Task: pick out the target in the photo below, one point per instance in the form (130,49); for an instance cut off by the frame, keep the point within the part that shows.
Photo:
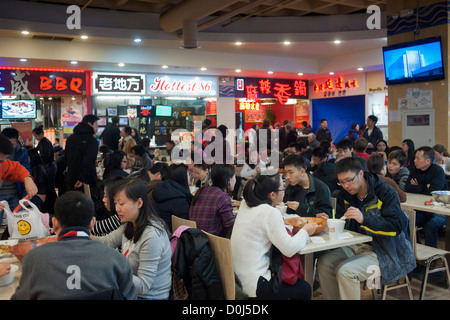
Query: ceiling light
(337,41)
(300,74)
(270,72)
(137,40)
(286,43)
(73,62)
(331,73)
(164,67)
(25,32)
(23,60)
(84,37)
(360,69)
(203,68)
(238,43)
(121,64)
(238,70)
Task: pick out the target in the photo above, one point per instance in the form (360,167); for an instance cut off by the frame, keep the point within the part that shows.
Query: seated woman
(172,195)
(258,226)
(376,165)
(253,165)
(201,174)
(116,165)
(144,240)
(107,219)
(211,207)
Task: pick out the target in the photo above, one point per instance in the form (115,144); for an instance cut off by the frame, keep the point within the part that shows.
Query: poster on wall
(25,132)
(71,111)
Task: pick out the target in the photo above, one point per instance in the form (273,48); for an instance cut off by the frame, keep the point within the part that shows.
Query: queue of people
(131,207)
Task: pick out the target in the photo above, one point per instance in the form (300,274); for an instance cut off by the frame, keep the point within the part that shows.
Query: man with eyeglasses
(370,206)
(305,195)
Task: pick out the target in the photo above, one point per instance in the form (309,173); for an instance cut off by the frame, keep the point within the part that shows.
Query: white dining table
(6,292)
(307,253)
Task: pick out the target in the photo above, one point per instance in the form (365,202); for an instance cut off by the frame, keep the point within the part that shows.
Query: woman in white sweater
(258,226)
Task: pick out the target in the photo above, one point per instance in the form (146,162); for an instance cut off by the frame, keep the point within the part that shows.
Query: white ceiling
(111,31)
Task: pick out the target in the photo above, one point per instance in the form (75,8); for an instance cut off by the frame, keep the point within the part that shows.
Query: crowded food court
(228,162)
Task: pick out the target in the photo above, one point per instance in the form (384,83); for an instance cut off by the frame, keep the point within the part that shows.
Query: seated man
(324,169)
(425,177)
(370,206)
(74,264)
(305,195)
(344,149)
(296,148)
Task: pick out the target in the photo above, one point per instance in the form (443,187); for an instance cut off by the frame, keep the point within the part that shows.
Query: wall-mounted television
(163,111)
(419,60)
(19,109)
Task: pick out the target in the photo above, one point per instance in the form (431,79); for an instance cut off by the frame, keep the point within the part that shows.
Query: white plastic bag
(26,224)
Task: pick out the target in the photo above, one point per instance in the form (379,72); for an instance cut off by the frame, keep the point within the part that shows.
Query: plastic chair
(426,254)
(221,248)
(178,222)
(392,286)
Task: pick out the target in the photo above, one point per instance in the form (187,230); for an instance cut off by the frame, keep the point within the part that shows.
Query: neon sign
(249,105)
(338,83)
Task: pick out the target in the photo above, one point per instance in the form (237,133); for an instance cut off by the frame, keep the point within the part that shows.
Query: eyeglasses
(343,183)
(280,190)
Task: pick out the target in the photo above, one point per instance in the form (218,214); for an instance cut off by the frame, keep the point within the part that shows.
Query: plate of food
(300,222)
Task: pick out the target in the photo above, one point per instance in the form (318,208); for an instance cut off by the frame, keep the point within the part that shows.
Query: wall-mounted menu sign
(182,86)
(118,83)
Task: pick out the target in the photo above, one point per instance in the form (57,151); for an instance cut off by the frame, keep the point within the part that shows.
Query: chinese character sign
(112,83)
(281,89)
(352,84)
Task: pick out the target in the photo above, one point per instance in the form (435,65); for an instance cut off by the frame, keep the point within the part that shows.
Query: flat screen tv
(414,61)
(19,109)
(163,111)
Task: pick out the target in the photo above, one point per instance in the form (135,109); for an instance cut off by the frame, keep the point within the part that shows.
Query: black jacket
(373,138)
(323,134)
(111,136)
(386,223)
(316,200)
(170,198)
(434,176)
(194,262)
(325,173)
(81,154)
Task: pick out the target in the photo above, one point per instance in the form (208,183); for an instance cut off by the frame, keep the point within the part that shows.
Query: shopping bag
(25,224)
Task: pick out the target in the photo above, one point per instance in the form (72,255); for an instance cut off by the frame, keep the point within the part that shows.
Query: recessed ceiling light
(360,69)
(50,98)
(270,72)
(164,67)
(137,40)
(23,60)
(121,64)
(337,41)
(238,70)
(73,62)
(203,68)
(331,73)
(286,43)
(238,43)
(300,74)
(25,32)
(84,37)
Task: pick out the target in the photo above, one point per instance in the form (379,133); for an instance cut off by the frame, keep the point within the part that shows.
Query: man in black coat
(372,134)
(111,134)
(425,177)
(81,154)
(323,133)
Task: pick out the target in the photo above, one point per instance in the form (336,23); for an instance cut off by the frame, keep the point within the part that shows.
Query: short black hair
(345,144)
(294,145)
(348,164)
(74,209)
(11,133)
(322,120)
(90,118)
(375,163)
(161,168)
(115,120)
(373,118)
(6,146)
(398,155)
(294,160)
(428,152)
(319,152)
(138,150)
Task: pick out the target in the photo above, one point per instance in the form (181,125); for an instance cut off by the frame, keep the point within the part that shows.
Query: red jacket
(13,171)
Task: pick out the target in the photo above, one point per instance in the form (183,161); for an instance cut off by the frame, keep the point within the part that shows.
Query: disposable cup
(282,208)
(335,228)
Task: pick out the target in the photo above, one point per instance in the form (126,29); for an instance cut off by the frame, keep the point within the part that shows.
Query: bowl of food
(22,248)
(7,279)
(299,222)
(441,196)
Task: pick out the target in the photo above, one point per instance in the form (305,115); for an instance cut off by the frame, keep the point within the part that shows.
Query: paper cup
(282,208)
(335,228)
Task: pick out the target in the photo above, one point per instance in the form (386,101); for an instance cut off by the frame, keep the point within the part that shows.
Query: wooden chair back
(178,222)
(221,248)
